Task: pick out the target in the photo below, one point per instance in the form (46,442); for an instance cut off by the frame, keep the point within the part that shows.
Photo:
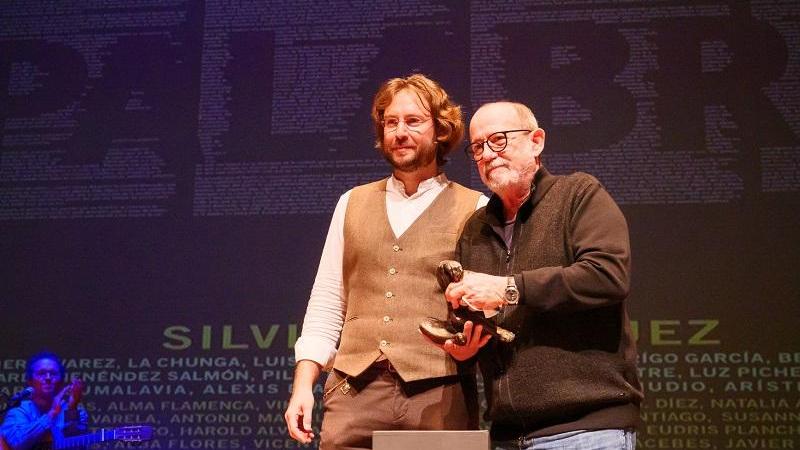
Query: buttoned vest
(390,282)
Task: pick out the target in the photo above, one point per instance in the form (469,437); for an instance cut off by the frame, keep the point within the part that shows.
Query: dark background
(168,170)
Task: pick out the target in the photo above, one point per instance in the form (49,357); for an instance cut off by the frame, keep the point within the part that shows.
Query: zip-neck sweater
(572,365)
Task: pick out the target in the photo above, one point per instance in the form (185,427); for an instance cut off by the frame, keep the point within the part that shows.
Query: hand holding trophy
(439,331)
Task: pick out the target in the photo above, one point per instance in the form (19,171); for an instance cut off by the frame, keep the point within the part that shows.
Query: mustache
(494,166)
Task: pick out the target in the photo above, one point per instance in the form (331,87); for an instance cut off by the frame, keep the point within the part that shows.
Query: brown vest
(390,283)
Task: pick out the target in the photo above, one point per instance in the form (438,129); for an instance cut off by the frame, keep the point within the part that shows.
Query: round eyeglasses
(413,123)
(496,141)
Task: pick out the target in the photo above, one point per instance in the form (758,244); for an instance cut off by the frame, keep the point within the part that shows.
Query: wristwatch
(512,293)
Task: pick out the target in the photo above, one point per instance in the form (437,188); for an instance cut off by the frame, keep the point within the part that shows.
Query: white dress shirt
(322,325)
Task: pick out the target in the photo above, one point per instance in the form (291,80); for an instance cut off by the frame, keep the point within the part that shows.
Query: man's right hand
(55,407)
(299,413)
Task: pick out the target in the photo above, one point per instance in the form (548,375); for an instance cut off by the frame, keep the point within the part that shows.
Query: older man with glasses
(551,253)
(376,282)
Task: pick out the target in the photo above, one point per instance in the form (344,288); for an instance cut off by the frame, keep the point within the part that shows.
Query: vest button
(389,294)
(386,319)
(396,247)
(392,271)
(384,343)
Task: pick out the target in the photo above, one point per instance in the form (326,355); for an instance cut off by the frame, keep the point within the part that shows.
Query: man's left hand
(479,290)
(75,393)
(475,340)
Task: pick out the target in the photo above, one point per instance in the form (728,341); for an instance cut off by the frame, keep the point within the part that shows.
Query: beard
(423,156)
(502,178)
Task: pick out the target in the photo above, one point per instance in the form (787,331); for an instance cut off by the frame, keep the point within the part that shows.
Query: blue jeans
(574,440)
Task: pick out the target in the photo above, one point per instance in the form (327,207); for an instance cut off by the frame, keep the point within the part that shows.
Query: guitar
(133,433)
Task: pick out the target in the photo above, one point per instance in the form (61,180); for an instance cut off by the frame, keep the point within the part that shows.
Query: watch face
(512,295)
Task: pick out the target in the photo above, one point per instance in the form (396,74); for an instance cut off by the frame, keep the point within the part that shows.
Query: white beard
(503,178)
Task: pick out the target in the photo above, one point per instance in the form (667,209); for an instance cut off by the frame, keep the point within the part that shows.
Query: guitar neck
(83,440)
(130,433)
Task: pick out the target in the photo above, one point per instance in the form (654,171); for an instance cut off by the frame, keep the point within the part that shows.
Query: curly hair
(448,121)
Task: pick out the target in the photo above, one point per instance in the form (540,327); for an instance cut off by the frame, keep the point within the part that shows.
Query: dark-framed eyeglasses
(496,141)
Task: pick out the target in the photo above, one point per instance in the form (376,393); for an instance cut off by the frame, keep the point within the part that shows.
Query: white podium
(430,440)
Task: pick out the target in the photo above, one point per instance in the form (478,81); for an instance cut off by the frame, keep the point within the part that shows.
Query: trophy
(440,331)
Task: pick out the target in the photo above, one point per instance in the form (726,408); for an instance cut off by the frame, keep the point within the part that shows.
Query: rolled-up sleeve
(322,325)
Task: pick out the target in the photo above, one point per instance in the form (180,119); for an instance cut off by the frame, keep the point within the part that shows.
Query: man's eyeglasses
(413,123)
(496,141)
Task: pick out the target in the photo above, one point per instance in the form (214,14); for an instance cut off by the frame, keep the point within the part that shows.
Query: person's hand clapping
(76,392)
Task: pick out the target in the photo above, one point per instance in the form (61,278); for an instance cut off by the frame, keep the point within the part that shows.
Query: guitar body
(133,433)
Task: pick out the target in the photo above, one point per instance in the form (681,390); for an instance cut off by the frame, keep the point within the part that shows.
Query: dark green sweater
(572,365)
